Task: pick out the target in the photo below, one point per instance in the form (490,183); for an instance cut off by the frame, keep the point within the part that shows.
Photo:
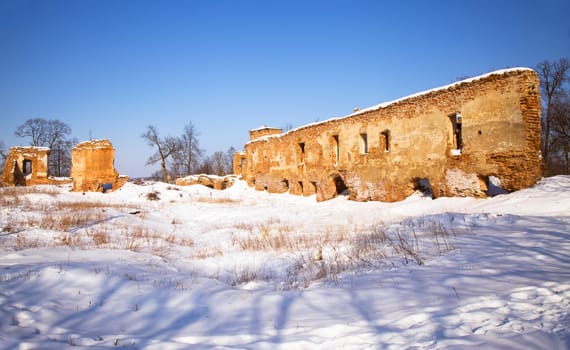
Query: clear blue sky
(109,68)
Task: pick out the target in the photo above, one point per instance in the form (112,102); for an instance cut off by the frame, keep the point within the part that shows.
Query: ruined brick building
(92,167)
(451,140)
(26,166)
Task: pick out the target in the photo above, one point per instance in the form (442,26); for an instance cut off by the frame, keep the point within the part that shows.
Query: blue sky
(109,68)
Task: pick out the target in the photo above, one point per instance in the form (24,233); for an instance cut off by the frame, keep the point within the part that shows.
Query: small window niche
(301,150)
(336,148)
(363,143)
(284,185)
(300,187)
(385,140)
(314,186)
(456,120)
(27,167)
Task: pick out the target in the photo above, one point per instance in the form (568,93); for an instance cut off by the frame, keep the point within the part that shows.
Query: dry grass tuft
(215,200)
(153,196)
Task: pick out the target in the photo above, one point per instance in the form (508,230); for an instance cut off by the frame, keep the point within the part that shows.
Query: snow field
(166,267)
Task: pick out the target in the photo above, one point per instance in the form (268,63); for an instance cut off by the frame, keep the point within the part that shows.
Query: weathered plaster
(409,140)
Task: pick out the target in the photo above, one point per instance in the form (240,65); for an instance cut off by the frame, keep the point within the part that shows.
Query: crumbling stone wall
(26,166)
(92,167)
(263,131)
(239,162)
(449,140)
(213,181)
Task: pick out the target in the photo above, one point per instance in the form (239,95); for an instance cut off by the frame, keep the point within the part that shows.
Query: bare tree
(230,160)
(60,146)
(187,156)
(60,157)
(552,75)
(56,132)
(35,128)
(561,135)
(54,135)
(219,163)
(165,148)
(2,154)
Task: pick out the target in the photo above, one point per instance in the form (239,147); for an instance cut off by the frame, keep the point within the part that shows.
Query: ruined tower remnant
(26,166)
(449,141)
(93,167)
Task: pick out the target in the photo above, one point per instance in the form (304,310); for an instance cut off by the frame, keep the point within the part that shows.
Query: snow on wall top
(386,104)
(264,127)
(29,148)
(94,144)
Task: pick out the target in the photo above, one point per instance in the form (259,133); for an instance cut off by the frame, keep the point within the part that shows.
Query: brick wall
(385,152)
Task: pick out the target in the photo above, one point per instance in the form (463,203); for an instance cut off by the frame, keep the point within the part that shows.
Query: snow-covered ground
(158,266)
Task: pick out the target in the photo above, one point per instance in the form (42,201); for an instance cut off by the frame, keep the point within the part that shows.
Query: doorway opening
(340,186)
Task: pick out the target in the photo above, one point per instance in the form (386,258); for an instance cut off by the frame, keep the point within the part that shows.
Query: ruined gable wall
(93,166)
(264,131)
(12,173)
(500,132)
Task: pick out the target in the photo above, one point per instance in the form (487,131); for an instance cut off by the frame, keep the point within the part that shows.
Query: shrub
(153,196)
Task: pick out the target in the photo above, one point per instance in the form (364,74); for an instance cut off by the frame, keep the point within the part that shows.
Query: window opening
(385,140)
(301,153)
(314,183)
(363,143)
(456,123)
(336,149)
(27,167)
(301,187)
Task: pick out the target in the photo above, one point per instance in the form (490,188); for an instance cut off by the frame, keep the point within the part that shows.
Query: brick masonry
(388,151)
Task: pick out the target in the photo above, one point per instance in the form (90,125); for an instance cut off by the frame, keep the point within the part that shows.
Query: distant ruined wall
(92,167)
(212,181)
(263,131)
(239,162)
(451,139)
(25,166)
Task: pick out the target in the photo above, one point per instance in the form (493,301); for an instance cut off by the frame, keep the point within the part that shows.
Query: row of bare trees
(555,89)
(181,156)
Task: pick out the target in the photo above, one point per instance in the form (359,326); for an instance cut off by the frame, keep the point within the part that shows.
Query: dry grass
(153,196)
(312,256)
(321,256)
(214,200)
(23,242)
(207,252)
(24,190)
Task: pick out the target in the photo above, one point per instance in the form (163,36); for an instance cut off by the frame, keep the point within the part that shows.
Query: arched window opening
(363,143)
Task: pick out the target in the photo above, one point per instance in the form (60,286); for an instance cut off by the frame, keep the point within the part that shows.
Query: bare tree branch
(552,75)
